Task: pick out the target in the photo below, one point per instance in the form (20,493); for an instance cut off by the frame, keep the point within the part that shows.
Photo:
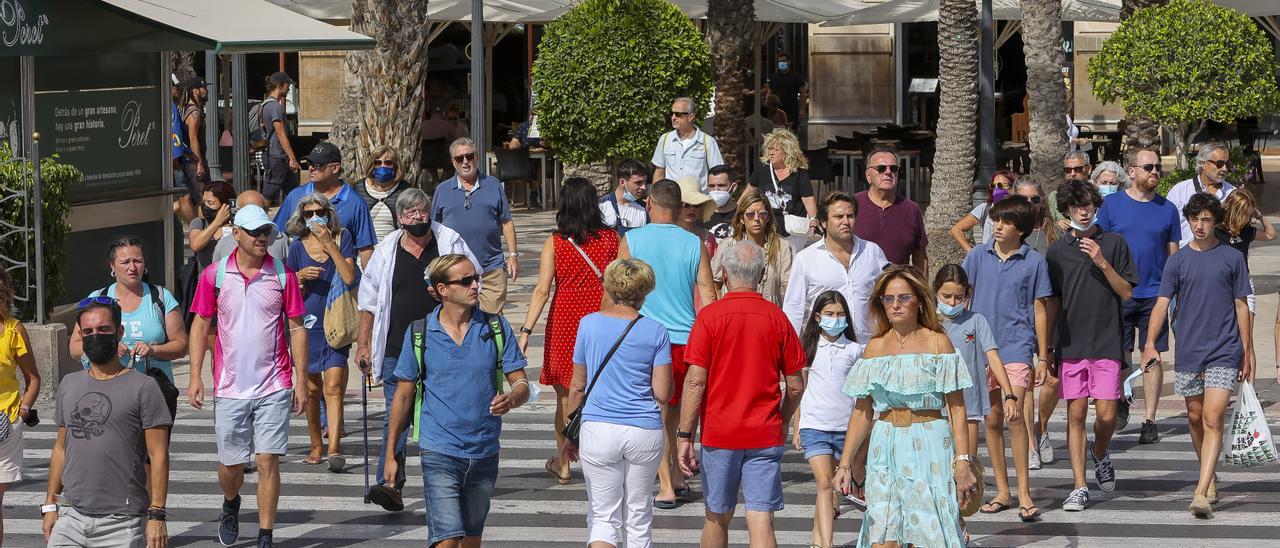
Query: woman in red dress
(580,234)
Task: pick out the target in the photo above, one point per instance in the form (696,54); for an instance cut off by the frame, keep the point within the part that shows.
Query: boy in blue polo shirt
(1010,289)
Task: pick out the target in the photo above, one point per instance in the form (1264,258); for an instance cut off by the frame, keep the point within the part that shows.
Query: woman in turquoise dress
(918,472)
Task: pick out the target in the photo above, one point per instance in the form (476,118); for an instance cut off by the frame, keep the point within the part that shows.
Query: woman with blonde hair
(783,180)
(908,372)
(383,182)
(754,221)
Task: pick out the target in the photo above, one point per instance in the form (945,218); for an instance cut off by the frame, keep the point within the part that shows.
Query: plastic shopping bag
(1247,442)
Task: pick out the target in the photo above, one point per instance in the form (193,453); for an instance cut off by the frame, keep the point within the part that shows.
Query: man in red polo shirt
(738,348)
(891,220)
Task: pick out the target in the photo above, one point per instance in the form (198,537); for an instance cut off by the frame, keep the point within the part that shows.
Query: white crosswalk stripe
(317,508)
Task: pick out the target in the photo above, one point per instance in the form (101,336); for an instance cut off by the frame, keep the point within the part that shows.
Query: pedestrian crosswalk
(317,508)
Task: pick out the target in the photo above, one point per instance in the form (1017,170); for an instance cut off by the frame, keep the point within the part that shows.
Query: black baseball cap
(279,78)
(194,82)
(324,153)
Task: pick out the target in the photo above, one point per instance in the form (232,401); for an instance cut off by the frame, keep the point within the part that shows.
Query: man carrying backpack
(253,296)
(280,158)
(459,358)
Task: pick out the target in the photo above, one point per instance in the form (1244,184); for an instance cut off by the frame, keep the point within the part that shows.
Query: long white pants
(619,463)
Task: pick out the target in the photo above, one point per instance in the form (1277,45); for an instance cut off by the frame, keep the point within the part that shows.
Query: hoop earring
(112,273)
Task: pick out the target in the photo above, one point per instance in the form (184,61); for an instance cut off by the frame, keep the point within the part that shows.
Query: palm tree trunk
(729,29)
(385,86)
(1140,132)
(957,128)
(1042,36)
(182,62)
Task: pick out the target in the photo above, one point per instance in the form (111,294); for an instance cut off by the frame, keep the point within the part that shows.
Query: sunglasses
(316,167)
(1220,164)
(464,281)
(903,299)
(678,113)
(891,168)
(1035,199)
(468,157)
(100,299)
(1070,170)
(307,214)
(1151,167)
(264,230)
(756,215)
(387,163)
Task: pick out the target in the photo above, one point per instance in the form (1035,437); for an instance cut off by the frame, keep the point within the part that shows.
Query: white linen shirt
(816,270)
(825,406)
(687,157)
(1181,193)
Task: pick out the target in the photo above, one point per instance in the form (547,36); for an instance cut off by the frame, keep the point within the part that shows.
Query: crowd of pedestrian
(687,307)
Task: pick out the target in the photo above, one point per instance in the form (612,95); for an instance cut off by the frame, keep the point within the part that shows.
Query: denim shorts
(457,491)
(821,442)
(757,471)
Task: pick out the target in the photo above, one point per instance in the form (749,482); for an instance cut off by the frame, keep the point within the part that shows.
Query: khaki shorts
(493,290)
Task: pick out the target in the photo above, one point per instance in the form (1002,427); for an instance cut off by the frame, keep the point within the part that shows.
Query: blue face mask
(628,196)
(319,220)
(1082,228)
(949,310)
(384,174)
(1107,190)
(782,65)
(833,325)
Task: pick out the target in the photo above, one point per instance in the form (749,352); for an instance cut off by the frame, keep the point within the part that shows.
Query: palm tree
(729,28)
(382,101)
(1140,132)
(957,127)
(1042,36)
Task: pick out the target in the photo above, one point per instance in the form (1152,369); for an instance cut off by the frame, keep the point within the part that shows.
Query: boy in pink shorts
(1092,275)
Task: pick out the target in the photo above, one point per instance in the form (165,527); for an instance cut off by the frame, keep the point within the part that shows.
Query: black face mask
(208,213)
(418,230)
(100,348)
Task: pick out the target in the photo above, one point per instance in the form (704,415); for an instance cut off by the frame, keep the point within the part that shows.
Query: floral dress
(911,493)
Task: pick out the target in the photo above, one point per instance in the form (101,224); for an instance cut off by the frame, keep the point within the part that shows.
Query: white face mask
(720,197)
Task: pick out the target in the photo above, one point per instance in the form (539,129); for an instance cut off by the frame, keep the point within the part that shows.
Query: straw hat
(691,193)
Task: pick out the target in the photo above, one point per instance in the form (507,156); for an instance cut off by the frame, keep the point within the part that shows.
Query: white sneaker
(1033,459)
(1077,500)
(1046,448)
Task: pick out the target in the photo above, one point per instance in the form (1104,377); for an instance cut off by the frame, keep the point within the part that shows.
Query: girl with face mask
(819,428)
(382,185)
(1001,187)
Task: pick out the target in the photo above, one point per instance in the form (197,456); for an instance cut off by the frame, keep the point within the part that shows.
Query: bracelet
(684,435)
(157,513)
(965,457)
(46,508)
(846,468)
(525,382)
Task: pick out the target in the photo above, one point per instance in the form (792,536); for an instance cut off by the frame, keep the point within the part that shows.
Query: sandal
(309,460)
(665,504)
(998,507)
(1029,517)
(564,480)
(684,492)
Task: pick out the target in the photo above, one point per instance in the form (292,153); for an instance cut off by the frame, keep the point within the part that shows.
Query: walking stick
(364,412)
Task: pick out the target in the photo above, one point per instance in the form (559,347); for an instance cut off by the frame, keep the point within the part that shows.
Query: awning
(915,11)
(542,11)
(62,27)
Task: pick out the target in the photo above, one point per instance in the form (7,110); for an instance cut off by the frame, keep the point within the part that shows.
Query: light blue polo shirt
(478,220)
(689,157)
(1004,292)
(459,385)
(353,213)
(673,253)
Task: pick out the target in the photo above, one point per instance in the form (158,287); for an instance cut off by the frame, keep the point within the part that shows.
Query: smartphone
(1147,366)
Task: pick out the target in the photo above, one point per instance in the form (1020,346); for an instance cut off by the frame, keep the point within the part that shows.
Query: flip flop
(1029,518)
(564,480)
(684,492)
(999,507)
(665,504)
(308,460)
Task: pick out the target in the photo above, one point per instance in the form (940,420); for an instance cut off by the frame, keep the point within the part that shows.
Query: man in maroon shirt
(888,218)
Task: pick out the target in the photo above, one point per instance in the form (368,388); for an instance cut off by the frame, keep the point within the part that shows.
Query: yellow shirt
(12,346)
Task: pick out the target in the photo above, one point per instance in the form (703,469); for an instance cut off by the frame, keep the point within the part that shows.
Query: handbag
(341,311)
(573,426)
(975,502)
(599,275)
(167,388)
(793,224)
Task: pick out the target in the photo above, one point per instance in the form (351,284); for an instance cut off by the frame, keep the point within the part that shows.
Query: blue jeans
(457,491)
(389,386)
(757,471)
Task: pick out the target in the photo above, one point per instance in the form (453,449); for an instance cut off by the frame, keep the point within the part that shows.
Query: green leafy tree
(1184,63)
(57,178)
(606,73)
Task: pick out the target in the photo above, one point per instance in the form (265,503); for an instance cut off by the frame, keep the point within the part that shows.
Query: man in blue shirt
(476,207)
(462,405)
(1150,225)
(685,151)
(324,164)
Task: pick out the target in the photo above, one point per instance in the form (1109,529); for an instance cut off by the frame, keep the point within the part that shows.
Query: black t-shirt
(409,298)
(796,185)
(1241,242)
(720,224)
(1089,323)
(786,85)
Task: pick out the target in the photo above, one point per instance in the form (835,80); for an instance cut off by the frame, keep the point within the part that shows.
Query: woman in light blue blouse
(918,471)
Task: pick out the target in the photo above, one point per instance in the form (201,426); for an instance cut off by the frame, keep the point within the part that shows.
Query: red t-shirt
(746,344)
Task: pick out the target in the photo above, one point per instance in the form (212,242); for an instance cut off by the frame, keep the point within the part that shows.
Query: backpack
(341,311)
(155,302)
(167,388)
(259,138)
(222,273)
(419,328)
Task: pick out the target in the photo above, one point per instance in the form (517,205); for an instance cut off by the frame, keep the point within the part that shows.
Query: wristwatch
(684,435)
(514,255)
(46,508)
(965,457)
(526,330)
(1010,397)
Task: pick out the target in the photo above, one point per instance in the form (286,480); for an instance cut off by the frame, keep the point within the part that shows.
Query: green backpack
(419,328)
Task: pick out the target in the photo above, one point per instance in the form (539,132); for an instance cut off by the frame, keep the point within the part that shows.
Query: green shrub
(606,73)
(56,178)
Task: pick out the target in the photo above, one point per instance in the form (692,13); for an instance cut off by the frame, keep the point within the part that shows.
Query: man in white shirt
(1212,165)
(624,208)
(686,151)
(840,262)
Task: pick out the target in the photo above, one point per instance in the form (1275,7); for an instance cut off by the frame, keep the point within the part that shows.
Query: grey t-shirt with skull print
(105,449)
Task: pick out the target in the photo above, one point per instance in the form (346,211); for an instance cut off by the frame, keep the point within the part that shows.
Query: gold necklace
(902,341)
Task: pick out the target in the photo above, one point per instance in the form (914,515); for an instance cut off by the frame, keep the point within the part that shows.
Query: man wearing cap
(281,160)
(324,166)
(251,294)
(194,168)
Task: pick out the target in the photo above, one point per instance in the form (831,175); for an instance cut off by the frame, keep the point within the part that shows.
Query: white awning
(244,26)
(542,11)
(915,11)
